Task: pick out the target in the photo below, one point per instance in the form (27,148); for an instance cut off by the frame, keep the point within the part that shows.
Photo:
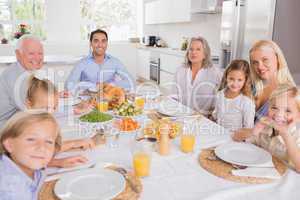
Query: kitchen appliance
(155,69)
(244,22)
(149,40)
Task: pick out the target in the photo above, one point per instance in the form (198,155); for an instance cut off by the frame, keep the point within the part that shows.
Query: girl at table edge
(25,151)
(269,69)
(43,95)
(279,131)
(197,77)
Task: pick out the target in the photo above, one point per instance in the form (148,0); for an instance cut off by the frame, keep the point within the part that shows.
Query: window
(117,17)
(15,12)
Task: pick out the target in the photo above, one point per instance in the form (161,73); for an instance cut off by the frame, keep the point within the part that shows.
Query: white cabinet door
(143,63)
(167,11)
(151,12)
(170,63)
(180,10)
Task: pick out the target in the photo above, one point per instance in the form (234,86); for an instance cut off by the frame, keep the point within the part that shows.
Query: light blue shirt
(15,184)
(13,89)
(110,71)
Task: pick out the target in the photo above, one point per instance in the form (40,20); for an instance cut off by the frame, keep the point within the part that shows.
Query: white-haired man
(30,56)
(13,87)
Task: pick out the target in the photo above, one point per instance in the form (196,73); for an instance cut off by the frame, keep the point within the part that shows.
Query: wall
(206,25)
(287,32)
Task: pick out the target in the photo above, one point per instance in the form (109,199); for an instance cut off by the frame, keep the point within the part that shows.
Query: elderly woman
(269,69)
(197,80)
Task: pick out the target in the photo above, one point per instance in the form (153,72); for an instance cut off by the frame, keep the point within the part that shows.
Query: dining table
(179,176)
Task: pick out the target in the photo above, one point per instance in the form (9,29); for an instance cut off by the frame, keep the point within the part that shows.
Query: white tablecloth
(180,177)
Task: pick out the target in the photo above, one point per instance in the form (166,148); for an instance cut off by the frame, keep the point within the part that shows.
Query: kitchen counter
(171,51)
(174,51)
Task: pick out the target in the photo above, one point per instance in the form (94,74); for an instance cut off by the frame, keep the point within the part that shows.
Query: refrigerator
(245,21)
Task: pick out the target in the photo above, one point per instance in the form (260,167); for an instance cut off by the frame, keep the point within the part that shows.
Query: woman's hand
(241,134)
(68,162)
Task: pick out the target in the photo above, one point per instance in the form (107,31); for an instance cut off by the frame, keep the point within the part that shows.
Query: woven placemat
(47,190)
(222,169)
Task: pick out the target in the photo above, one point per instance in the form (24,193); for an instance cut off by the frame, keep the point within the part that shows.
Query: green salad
(128,109)
(95,116)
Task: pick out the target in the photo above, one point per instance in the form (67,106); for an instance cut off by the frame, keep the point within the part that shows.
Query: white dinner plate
(90,184)
(173,108)
(244,154)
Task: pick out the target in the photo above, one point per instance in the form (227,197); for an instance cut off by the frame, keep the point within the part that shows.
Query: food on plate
(128,124)
(95,116)
(128,109)
(152,128)
(82,107)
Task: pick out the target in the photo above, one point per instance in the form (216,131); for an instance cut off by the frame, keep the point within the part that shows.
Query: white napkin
(261,172)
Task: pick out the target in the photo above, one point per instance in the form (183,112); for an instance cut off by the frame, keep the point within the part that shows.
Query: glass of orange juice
(142,158)
(139,101)
(187,143)
(102,106)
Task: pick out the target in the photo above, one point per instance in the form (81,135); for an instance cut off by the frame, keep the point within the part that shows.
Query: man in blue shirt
(99,67)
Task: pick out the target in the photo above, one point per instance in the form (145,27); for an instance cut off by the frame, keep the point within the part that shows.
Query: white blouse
(200,93)
(234,113)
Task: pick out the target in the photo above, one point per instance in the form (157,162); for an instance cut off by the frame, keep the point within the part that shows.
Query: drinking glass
(112,137)
(141,158)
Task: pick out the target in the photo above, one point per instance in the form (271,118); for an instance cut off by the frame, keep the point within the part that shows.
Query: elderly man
(99,67)
(13,87)
(30,55)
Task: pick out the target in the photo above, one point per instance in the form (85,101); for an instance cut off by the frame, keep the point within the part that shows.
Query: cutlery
(148,138)
(213,157)
(127,178)
(58,175)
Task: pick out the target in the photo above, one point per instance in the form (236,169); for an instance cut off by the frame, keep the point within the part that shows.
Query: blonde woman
(197,80)
(269,69)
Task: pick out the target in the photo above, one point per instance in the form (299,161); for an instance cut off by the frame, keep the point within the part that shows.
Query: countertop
(172,51)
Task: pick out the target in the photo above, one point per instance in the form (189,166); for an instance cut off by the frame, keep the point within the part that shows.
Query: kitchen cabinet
(167,11)
(206,6)
(150,12)
(170,63)
(143,63)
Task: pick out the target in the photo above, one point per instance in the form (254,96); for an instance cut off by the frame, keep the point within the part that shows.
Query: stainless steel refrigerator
(245,21)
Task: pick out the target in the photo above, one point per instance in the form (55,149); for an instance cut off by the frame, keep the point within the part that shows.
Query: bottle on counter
(184,44)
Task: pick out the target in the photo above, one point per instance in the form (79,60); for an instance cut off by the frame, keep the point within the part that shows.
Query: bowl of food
(152,128)
(127,125)
(127,109)
(95,120)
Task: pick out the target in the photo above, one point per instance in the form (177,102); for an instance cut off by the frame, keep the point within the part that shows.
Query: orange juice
(139,102)
(102,106)
(141,164)
(187,143)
